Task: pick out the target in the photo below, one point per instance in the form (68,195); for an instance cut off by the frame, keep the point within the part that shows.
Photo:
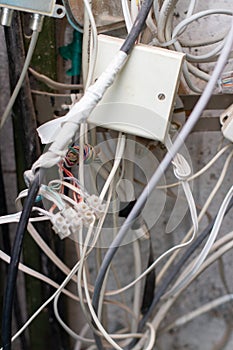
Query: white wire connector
(73,218)
(96,205)
(60,225)
(85,213)
(226,120)
(66,222)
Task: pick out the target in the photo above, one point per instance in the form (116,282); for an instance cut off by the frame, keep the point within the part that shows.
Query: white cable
(84,253)
(193,118)
(201,58)
(205,57)
(156,10)
(209,55)
(69,331)
(37,275)
(202,170)
(161,313)
(203,42)
(150,24)
(29,321)
(202,256)
(171,250)
(178,30)
(10,218)
(119,153)
(85,45)
(126,13)
(150,333)
(227,243)
(97,322)
(164,35)
(54,84)
(41,243)
(81,274)
(92,245)
(83,332)
(200,311)
(82,270)
(134,10)
(197,16)
(45,192)
(88,299)
(198,72)
(151,342)
(182,171)
(200,216)
(78,190)
(94,44)
(138,286)
(14,95)
(191,8)
(202,212)
(185,70)
(81,155)
(166,9)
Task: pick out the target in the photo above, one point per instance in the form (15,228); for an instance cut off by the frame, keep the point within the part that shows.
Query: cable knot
(181,169)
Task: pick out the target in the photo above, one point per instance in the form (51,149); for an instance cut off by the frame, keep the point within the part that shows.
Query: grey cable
(14,95)
(195,115)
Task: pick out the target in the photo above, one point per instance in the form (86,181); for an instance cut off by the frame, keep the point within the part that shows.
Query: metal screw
(161,96)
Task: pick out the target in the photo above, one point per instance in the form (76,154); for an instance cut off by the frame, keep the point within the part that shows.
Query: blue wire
(70,20)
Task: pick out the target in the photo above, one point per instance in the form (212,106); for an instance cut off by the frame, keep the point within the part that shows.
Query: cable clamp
(226,120)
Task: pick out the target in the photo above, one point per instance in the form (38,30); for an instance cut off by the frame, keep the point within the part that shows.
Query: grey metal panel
(38,6)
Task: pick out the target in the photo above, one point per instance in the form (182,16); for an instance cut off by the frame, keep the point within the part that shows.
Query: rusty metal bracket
(217,101)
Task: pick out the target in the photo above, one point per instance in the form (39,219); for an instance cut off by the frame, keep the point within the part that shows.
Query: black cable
(13,267)
(150,283)
(7,248)
(137,27)
(126,48)
(175,271)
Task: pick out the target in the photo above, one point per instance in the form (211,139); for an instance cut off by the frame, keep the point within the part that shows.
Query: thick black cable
(150,284)
(137,27)
(7,249)
(13,267)
(175,271)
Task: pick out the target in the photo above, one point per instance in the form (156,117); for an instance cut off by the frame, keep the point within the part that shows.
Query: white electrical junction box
(141,100)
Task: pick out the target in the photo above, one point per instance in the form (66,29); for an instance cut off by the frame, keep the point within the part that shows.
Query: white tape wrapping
(82,109)
(61,131)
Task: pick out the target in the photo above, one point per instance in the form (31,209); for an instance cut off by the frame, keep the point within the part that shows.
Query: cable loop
(181,169)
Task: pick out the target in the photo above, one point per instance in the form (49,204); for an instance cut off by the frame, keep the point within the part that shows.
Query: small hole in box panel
(60,11)
(224,119)
(161,96)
